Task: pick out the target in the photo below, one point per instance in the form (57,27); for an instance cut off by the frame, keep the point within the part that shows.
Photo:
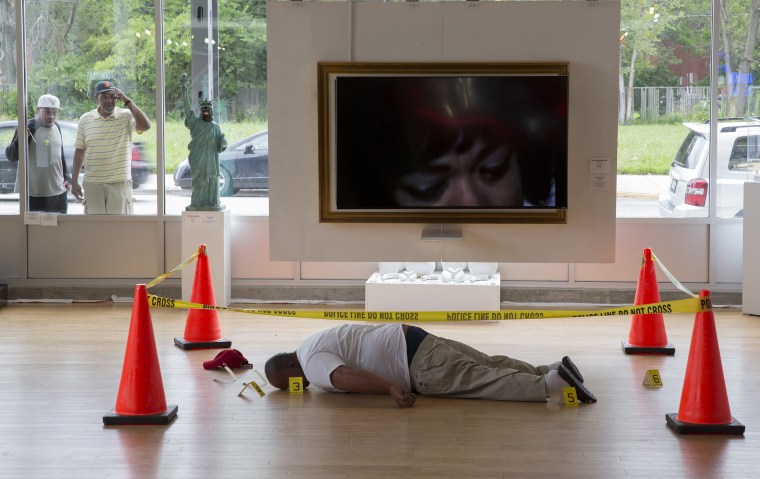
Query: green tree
(7,42)
(73,44)
(243,51)
(739,21)
(643,24)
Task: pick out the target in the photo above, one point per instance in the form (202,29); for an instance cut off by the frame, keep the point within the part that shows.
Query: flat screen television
(443,142)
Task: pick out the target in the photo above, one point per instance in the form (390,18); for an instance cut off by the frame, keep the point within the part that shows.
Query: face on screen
(473,172)
(449,142)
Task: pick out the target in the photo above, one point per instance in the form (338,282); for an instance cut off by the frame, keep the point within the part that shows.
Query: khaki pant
(443,367)
(108,198)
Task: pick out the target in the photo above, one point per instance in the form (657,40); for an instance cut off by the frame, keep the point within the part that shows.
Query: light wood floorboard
(60,367)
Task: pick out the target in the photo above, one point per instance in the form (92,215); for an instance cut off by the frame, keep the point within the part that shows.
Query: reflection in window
(692,150)
(71,46)
(744,156)
(238,47)
(8,171)
(664,80)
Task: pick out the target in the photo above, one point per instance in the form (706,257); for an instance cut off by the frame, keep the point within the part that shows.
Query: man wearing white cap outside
(104,147)
(47,177)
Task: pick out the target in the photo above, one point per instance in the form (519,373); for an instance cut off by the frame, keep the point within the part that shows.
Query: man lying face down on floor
(402,360)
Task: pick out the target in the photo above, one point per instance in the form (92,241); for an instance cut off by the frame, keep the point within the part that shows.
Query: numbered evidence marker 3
(652,379)
(295,385)
(570,397)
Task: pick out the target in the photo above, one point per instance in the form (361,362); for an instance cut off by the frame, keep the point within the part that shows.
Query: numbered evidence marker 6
(570,397)
(652,379)
(295,385)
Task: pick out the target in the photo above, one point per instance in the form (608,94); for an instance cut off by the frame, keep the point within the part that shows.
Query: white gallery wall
(301,34)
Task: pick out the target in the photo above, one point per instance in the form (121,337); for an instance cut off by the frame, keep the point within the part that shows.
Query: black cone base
(668,350)
(114,419)
(734,427)
(218,344)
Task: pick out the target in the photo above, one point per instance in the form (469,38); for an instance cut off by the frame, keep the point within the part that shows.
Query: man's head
(104,93)
(47,109)
(207,110)
(280,367)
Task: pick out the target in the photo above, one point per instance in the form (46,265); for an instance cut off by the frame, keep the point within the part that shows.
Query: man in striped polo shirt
(104,146)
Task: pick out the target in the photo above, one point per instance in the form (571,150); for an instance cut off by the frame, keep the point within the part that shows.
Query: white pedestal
(751,261)
(421,295)
(211,228)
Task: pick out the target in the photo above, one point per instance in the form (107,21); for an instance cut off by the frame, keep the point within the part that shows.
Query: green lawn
(177,136)
(648,149)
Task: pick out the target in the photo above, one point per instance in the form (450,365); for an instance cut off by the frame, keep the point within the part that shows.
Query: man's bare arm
(142,123)
(358,381)
(76,188)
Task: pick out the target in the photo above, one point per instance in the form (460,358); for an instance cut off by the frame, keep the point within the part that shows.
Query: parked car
(140,168)
(738,162)
(244,165)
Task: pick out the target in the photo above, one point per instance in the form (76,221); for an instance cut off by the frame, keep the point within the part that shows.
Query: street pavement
(642,186)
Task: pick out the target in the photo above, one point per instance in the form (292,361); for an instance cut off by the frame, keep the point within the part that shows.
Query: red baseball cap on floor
(232,358)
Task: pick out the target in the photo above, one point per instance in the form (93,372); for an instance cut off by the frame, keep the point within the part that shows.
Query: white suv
(738,162)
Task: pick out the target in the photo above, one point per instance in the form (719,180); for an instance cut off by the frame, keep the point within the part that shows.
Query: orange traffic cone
(704,401)
(647,333)
(141,397)
(202,330)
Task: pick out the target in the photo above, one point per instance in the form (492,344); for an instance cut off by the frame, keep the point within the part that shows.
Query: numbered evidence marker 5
(295,385)
(570,397)
(652,379)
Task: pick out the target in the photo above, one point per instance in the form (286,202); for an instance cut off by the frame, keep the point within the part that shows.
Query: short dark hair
(274,368)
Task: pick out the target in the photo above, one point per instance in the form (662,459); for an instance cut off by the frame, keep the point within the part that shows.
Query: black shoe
(569,364)
(584,395)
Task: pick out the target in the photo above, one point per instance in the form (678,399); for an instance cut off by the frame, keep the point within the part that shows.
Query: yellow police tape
(689,305)
(694,304)
(179,267)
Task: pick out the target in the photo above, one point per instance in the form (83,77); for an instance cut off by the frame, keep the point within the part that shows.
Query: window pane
(8,103)
(665,53)
(8,169)
(231,63)
(71,47)
(738,126)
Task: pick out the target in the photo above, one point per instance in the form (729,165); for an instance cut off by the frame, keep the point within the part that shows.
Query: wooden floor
(60,367)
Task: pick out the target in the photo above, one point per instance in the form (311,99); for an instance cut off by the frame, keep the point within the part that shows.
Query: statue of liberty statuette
(206,142)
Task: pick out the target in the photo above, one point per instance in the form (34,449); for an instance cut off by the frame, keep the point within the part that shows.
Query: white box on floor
(421,295)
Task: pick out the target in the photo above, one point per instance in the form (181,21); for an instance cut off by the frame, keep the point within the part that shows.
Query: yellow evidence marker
(570,396)
(652,379)
(295,385)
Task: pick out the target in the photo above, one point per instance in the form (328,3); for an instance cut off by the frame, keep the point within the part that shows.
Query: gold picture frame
(333,210)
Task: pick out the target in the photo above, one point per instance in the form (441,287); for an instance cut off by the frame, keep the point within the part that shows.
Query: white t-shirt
(380,350)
